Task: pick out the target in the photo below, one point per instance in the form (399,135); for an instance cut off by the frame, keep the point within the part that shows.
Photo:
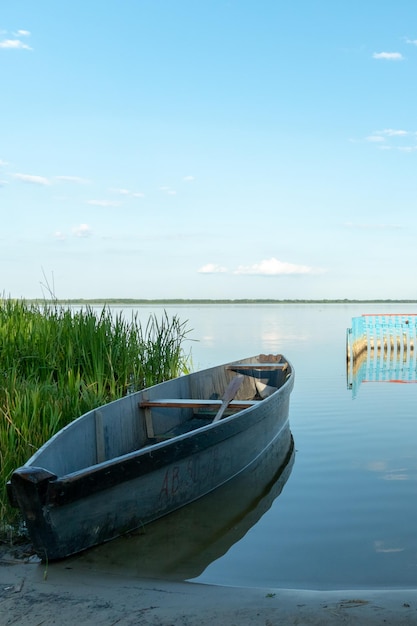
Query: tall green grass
(57,363)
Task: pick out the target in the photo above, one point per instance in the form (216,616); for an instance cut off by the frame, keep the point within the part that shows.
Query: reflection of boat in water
(182,545)
(381,348)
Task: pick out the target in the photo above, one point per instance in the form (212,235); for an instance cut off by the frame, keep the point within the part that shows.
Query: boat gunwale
(68,488)
(65,488)
(31,461)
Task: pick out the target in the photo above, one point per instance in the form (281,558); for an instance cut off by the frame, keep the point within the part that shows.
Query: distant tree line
(136,301)
(110,301)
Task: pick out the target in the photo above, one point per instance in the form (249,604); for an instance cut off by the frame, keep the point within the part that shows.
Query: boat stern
(27,490)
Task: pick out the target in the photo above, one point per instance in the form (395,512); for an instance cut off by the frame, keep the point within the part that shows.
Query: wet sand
(68,592)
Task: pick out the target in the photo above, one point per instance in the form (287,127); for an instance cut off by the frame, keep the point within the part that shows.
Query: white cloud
(391,132)
(375,138)
(83,230)
(14,44)
(59,235)
(372,226)
(391,139)
(212,268)
(380,545)
(33,180)
(188,179)
(3,183)
(128,193)
(388,56)
(3,163)
(169,191)
(103,203)
(267,267)
(412,41)
(274,267)
(73,179)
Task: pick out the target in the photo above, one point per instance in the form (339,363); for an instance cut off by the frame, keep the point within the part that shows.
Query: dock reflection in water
(183,544)
(381,349)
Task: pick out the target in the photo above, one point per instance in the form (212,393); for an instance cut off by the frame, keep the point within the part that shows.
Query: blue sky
(208,149)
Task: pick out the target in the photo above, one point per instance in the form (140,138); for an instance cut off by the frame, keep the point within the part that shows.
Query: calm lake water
(343,514)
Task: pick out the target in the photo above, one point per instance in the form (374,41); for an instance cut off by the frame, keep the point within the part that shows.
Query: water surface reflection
(347,516)
(183,544)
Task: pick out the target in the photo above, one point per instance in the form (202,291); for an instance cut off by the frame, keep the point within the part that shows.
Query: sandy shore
(64,593)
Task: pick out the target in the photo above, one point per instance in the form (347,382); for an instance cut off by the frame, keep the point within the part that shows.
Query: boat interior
(161,412)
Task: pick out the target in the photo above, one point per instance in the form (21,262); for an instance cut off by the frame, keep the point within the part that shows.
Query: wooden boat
(138,458)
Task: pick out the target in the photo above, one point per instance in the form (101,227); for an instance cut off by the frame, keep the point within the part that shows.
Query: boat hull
(181,545)
(69,513)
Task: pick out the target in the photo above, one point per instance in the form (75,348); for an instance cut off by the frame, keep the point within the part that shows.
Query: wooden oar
(229,394)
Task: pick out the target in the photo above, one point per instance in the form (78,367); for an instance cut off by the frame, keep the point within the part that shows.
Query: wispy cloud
(128,193)
(43,180)
(267,267)
(168,191)
(83,230)
(375,138)
(212,268)
(3,163)
(393,139)
(411,41)
(274,267)
(372,226)
(73,179)
(32,179)
(189,179)
(388,56)
(103,203)
(400,474)
(16,43)
(59,235)
(391,132)
(381,547)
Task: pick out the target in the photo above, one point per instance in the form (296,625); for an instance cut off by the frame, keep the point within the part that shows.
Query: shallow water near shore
(342,514)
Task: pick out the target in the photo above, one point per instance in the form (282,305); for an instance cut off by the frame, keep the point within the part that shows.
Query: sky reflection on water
(347,515)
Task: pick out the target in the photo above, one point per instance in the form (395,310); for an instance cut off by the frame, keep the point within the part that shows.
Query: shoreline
(67,592)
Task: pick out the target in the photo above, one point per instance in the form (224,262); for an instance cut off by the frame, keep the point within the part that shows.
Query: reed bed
(57,363)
